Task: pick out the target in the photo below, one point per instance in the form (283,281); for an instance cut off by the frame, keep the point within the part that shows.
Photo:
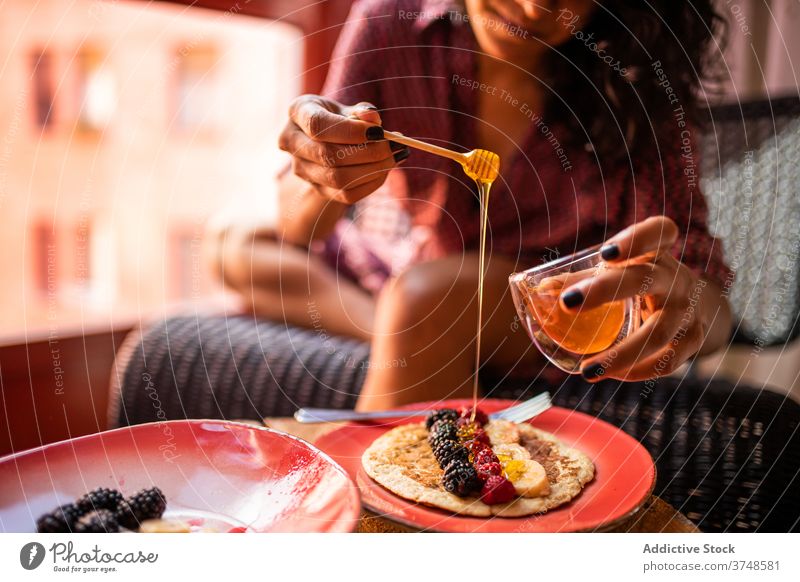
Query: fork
(517,413)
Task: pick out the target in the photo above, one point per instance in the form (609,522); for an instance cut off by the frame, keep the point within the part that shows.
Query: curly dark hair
(657,54)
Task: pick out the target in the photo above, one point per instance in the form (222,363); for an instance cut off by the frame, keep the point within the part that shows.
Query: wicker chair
(727,456)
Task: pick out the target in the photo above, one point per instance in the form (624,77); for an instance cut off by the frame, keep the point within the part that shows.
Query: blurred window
(183,108)
(43,89)
(96,91)
(196,88)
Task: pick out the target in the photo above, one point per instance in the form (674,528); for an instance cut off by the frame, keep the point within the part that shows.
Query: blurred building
(123,126)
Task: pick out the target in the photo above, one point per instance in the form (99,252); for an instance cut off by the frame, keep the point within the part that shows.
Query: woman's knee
(427,293)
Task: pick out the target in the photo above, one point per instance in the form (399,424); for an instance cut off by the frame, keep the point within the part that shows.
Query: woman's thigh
(297,286)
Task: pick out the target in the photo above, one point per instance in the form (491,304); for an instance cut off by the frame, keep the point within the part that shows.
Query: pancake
(402,461)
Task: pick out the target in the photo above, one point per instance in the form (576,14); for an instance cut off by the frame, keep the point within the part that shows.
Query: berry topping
(466,430)
(443,431)
(100,521)
(480,416)
(146,504)
(486,456)
(447,451)
(100,498)
(480,435)
(61,520)
(475,447)
(497,489)
(487,470)
(460,478)
(441,414)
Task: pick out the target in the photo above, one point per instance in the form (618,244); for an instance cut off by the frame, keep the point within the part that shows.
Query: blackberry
(443,431)
(447,451)
(441,414)
(99,521)
(461,478)
(146,504)
(100,498)
(60,520)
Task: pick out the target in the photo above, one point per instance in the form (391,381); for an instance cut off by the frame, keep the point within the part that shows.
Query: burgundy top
(402,56)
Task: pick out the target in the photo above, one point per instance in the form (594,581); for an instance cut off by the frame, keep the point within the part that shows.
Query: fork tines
(526,410)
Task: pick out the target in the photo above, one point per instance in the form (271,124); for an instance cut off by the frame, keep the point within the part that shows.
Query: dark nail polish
(609,252)
(402,155)
(592,371)
(396,147)
(572,298)
(374,133)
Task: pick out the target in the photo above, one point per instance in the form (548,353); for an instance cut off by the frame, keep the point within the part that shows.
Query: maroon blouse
(403,56)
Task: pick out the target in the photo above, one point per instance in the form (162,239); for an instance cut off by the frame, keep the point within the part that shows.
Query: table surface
(656,515)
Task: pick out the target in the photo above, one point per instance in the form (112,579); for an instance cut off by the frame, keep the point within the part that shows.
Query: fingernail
(396,147)
(572,298)
(402,154)
(592,371)
(609,252)
(369,107)
(374,133)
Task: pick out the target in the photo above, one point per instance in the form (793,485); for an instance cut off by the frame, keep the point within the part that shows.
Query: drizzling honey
(482,166)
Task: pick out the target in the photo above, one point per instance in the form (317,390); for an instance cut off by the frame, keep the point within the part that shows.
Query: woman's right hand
(339,149)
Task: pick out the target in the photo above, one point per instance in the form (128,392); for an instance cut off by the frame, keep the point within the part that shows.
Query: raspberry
(497,489)
(486,456)
(447,451)
(487,470)
(475,447)
(460,478)
(480,416)
(146,504)
(60,520)
(100,521)
(441,414)
(100,498)
(480,435)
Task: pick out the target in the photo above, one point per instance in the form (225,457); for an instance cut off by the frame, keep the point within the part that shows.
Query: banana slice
(530,479)
(511,452)
(502,431)
(164,526)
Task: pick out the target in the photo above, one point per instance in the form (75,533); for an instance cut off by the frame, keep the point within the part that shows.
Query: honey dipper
(481,165)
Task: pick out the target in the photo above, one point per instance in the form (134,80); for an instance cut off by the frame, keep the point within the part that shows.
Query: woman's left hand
(674,326)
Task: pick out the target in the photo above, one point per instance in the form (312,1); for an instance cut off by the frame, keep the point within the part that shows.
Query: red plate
(224,476)
(624,476)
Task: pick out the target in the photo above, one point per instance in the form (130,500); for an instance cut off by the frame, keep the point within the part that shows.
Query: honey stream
(484,187)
